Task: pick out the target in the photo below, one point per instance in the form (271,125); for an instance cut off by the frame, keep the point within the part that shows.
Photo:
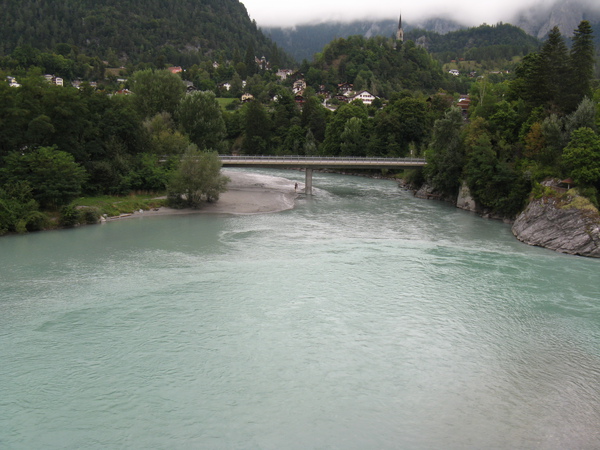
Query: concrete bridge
(309,163)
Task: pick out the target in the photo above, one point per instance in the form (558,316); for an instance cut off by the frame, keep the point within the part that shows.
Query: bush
(37,221)
(90,215)
(414,177)
(591,193)
(69,216)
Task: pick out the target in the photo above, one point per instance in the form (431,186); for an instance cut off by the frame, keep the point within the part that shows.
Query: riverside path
(309,163)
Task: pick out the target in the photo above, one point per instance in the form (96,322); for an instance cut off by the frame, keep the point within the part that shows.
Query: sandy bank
(247,193)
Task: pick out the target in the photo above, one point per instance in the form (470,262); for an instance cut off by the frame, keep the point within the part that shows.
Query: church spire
(400,32)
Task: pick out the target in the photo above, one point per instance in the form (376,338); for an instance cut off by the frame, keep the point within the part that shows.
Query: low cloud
(467,12)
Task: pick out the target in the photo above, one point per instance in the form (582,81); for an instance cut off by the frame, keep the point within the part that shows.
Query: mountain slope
(135,30)
(303,41)
(566,15)
(503,40)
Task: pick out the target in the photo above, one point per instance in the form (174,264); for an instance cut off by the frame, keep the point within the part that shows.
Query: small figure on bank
(296,187)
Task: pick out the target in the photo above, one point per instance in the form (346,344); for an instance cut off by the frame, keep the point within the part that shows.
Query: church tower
(400,32)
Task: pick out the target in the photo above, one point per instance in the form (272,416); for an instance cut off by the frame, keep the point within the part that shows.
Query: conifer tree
(555,59)
(581,60)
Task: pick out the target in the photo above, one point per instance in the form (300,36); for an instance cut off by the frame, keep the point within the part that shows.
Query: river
(364,318)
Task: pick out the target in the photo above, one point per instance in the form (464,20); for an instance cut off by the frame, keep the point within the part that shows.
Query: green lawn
(224,102)
(113,206)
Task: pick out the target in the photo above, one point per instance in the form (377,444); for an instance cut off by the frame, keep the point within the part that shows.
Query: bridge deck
(320,162)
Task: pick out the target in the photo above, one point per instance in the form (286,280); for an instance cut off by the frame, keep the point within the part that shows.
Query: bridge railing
(299,158)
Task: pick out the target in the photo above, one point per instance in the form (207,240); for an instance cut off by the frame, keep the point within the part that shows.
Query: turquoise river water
(362,319)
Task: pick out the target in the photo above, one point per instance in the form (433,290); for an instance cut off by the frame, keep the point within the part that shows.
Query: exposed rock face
(427,192)
(548,223)
(465,200)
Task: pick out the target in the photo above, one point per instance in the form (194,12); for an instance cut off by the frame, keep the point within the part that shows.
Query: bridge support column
(308,182)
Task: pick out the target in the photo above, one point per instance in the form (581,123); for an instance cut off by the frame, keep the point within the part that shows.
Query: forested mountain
(482,42)
(182,32)
(493,42)
(379,65)
(538,20)
(303,41)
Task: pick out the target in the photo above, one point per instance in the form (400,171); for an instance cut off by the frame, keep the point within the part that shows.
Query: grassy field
(224,102)
(114,206)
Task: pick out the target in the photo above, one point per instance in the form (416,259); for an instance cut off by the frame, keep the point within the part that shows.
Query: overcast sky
(469,12)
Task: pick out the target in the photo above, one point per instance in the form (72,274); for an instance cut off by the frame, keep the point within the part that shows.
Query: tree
(353,138)
(54,175)
(257,129)
(541,77)
(583,116)
(156,91)
(197,178)
(581,60)
(582,157)
(314,118)
(337,125)
(18,210)
(555,60)
(199,113)
(165,140)
(445,156)
(403,122)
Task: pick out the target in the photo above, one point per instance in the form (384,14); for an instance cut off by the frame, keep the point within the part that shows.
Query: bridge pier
(308,181)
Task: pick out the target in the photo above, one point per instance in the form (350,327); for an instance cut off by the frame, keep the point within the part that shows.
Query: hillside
(377,65)
(502,41)
(176,32)
(539,20)
(303,41)
(496,42)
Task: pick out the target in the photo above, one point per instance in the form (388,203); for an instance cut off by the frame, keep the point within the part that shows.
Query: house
(364,96)
(464,103)
(189,86)
(54,80)
(262,63)
(247,97)
(12,82)
(345,88)
(175,69)
(323,91)
(284,73)
(226,86)
(454,72)
(299,98)
(342,98)
(299,85)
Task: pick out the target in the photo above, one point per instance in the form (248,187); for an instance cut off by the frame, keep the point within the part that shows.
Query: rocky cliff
(568,224)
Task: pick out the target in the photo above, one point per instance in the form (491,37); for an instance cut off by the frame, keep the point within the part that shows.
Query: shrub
(90,215)
(69,216)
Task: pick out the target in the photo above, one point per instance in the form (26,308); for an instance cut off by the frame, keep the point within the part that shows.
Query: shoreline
(246,194)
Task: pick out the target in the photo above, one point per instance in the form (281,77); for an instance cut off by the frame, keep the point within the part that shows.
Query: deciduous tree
(55,177)
(197,179)
(156,91)
(199,113)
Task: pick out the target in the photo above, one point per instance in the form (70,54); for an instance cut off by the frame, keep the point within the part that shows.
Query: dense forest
(177,32)
(303,41)
(485,42)
(60,142)
(381,65)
